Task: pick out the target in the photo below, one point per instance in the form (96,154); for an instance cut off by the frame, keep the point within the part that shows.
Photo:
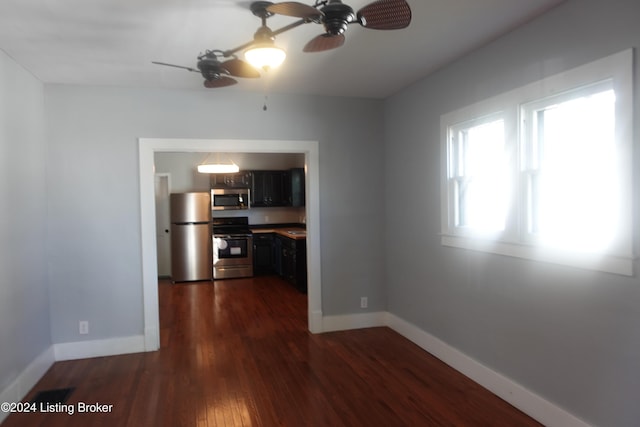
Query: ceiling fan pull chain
(265,88)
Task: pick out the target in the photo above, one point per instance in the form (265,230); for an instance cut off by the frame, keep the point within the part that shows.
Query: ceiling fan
(334,15)
(216,73)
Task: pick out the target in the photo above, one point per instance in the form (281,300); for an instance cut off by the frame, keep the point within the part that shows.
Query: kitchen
(265,236)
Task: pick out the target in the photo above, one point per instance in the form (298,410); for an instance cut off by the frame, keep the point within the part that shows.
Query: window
(478,175)
(544,172)
(569,169)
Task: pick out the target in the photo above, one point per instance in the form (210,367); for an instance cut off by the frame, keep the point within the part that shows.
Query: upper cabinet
(269,188)
(297,187)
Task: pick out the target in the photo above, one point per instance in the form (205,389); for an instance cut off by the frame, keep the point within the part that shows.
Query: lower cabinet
(294,262)
(273,253)
(264,257)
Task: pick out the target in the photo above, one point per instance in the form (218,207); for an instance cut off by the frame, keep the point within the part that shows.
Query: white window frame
(511,107)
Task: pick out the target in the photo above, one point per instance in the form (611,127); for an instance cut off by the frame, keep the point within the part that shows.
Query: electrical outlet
(83,327)
(266,219)
(364,302)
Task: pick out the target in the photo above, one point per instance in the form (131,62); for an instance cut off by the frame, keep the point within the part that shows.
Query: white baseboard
(528,402)
(353,321)
(151,339)
(315,321)
(99,348)
(27,379)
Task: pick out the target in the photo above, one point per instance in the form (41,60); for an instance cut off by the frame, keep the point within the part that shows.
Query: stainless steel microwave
(229,198)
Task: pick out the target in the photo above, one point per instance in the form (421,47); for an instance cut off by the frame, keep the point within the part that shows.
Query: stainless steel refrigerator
(191,252)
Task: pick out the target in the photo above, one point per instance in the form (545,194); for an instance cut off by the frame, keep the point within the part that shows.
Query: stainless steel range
(232,248)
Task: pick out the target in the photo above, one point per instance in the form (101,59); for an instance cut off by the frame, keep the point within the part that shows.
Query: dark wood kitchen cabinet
(278,188)
(275,253)
(264,253)
(297,192)
(293,261)
(270,188)
(284,256)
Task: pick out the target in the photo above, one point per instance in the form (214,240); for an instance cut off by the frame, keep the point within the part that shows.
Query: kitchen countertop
(295,233)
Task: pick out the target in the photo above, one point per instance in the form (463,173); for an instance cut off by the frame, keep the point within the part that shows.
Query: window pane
(482,187)
(576,198)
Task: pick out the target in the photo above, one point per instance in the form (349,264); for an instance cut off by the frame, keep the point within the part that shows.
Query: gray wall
(93,214)
(569,335)
(24,300)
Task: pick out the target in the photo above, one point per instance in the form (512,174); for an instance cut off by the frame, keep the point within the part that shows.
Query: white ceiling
(112,42)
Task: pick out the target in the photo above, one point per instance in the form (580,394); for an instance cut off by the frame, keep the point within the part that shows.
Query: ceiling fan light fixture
(262,54)
(265,56)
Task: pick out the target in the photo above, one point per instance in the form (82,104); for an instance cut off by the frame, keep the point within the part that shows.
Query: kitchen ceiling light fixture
(218,166)
(333,15)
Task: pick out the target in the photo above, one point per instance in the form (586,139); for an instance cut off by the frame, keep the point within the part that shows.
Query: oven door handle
(230,236)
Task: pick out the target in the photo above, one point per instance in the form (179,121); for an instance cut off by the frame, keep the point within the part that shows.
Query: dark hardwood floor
(238,353)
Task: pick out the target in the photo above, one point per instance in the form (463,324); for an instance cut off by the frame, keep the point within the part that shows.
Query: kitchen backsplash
(283,215)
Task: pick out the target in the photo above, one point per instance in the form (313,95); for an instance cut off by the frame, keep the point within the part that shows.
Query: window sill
(597,262)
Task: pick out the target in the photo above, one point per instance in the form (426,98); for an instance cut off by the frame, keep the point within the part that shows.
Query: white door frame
(149,146)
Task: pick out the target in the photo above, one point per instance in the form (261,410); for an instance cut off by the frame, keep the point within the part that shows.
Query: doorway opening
(162,186)
(147,149)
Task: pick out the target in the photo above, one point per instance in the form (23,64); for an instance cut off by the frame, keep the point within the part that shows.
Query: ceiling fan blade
(176,66)
(324,42)
(220,81)
(385,15)
(239,68)
(295,9)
